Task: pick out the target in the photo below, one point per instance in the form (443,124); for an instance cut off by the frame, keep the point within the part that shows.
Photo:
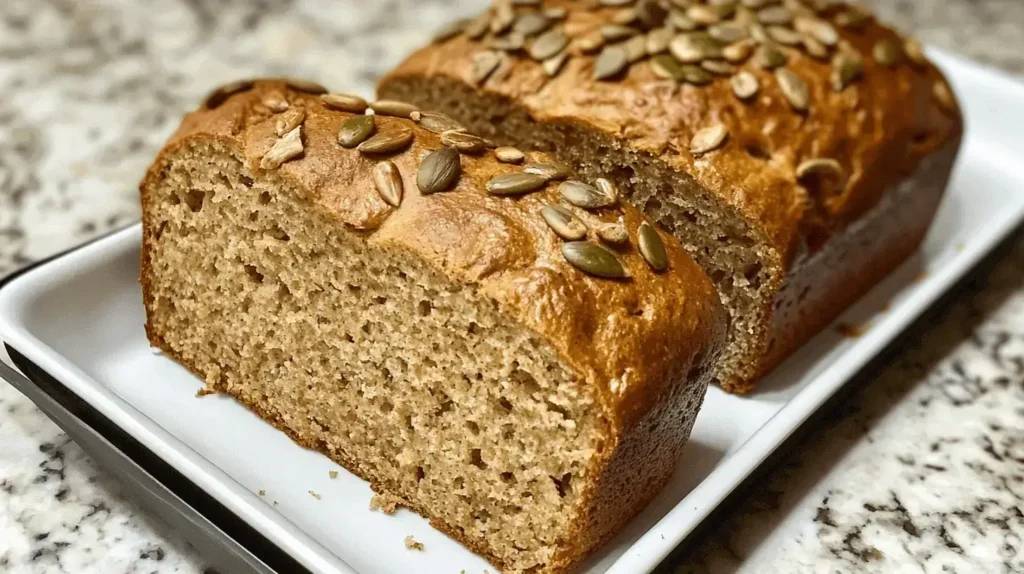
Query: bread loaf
(393,298)
(798,150)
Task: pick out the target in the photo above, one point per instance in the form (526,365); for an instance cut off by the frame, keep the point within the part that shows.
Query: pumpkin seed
(847,67)
(463,142)
(768,56)
(783,35)
(556,13)
(285,148)
(708,139)
(483,65)
(616,32)
(219,94)
(515,183)
(915,52)
(275,102)
(774,15)
(636,48)
(819,167)
(449,31)
(651,13)
(355,130)
(657,40)
(680,21)
(651,247)
(388,181)
(437,122)
(665,66)
(610,62)
(944,96)
(593,259)
(393,108)
(695,75)
(794,88)
(509,43)
(755,4)
(607,187)
(888,53)
(744,85)
(552,65)
(584,195)
(345,102)
(307,86)
(703,15)
(852,18)
(624,17)
(817,28)
(613,233)
(548,45)
(693,47)
(289,120)
(738,52)
(759,33)
(729,32)
(388,141)
(718,67)
(531,24)
(478,26)
(615,2)
(509,155)
(590,43)
(550,170)
(439,170)
(563,222)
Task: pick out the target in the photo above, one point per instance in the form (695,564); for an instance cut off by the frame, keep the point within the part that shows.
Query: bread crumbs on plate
(263,492)
(332,473)
(385,503)
(411,543)
(315,494)
(851,331)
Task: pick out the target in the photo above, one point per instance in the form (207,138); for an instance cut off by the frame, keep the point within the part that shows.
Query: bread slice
(443,349)
(798,165)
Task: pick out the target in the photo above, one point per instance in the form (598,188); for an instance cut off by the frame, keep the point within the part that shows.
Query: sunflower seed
(852,18)
(590,43)
(275,102)
(531,24)
(607,187)
(478,26)
(744,85)
(696,46)
(483,65)
(613,233)
(624,17)
(563,222)
(610,62)
(651,247)
(814,48)
(218,95)
(556,13)
(284,149)
(504,16)
(819,167)
(794,88)
(680,21)
(847,67)
(388,141)
(695,75)
(615,2)
(355,130)
(593,259)
(636,48)
(388,181)
(944,96)
(551,171)
(584,195)
(307,86)
(657,40)
(755,4)
(393,108)
(759,33)
(708,139)
(509,155)
(616,32)
(729,32)
(718,67)
(289,120)
(437,122)
(463,142)
(449,31)
(738,52)
(508,43)
(552,65)
(703,15)
(783,35)
(768,56)
(665,66)
(774,15)
(515,183)
(818,29)
(888,53)
(345,102)
(915,52)
(548,44)
(652,13)
(439,170)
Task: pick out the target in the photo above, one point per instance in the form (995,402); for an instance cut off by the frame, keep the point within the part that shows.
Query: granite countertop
(920,471)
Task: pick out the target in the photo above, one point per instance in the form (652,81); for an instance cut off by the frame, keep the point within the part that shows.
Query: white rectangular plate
(80,317)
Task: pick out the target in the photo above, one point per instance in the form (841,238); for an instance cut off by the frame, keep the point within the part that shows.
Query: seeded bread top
(798,115)
(632,338)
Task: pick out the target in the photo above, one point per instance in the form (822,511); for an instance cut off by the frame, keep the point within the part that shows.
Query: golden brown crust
(879,128)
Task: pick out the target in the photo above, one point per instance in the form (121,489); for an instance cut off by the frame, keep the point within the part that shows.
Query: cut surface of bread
(826,132)
(436,349)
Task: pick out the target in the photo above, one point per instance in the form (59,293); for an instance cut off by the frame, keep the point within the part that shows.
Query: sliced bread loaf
(433,319)
(798,150)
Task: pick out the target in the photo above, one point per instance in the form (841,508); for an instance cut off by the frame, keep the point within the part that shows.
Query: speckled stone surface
(921,471)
